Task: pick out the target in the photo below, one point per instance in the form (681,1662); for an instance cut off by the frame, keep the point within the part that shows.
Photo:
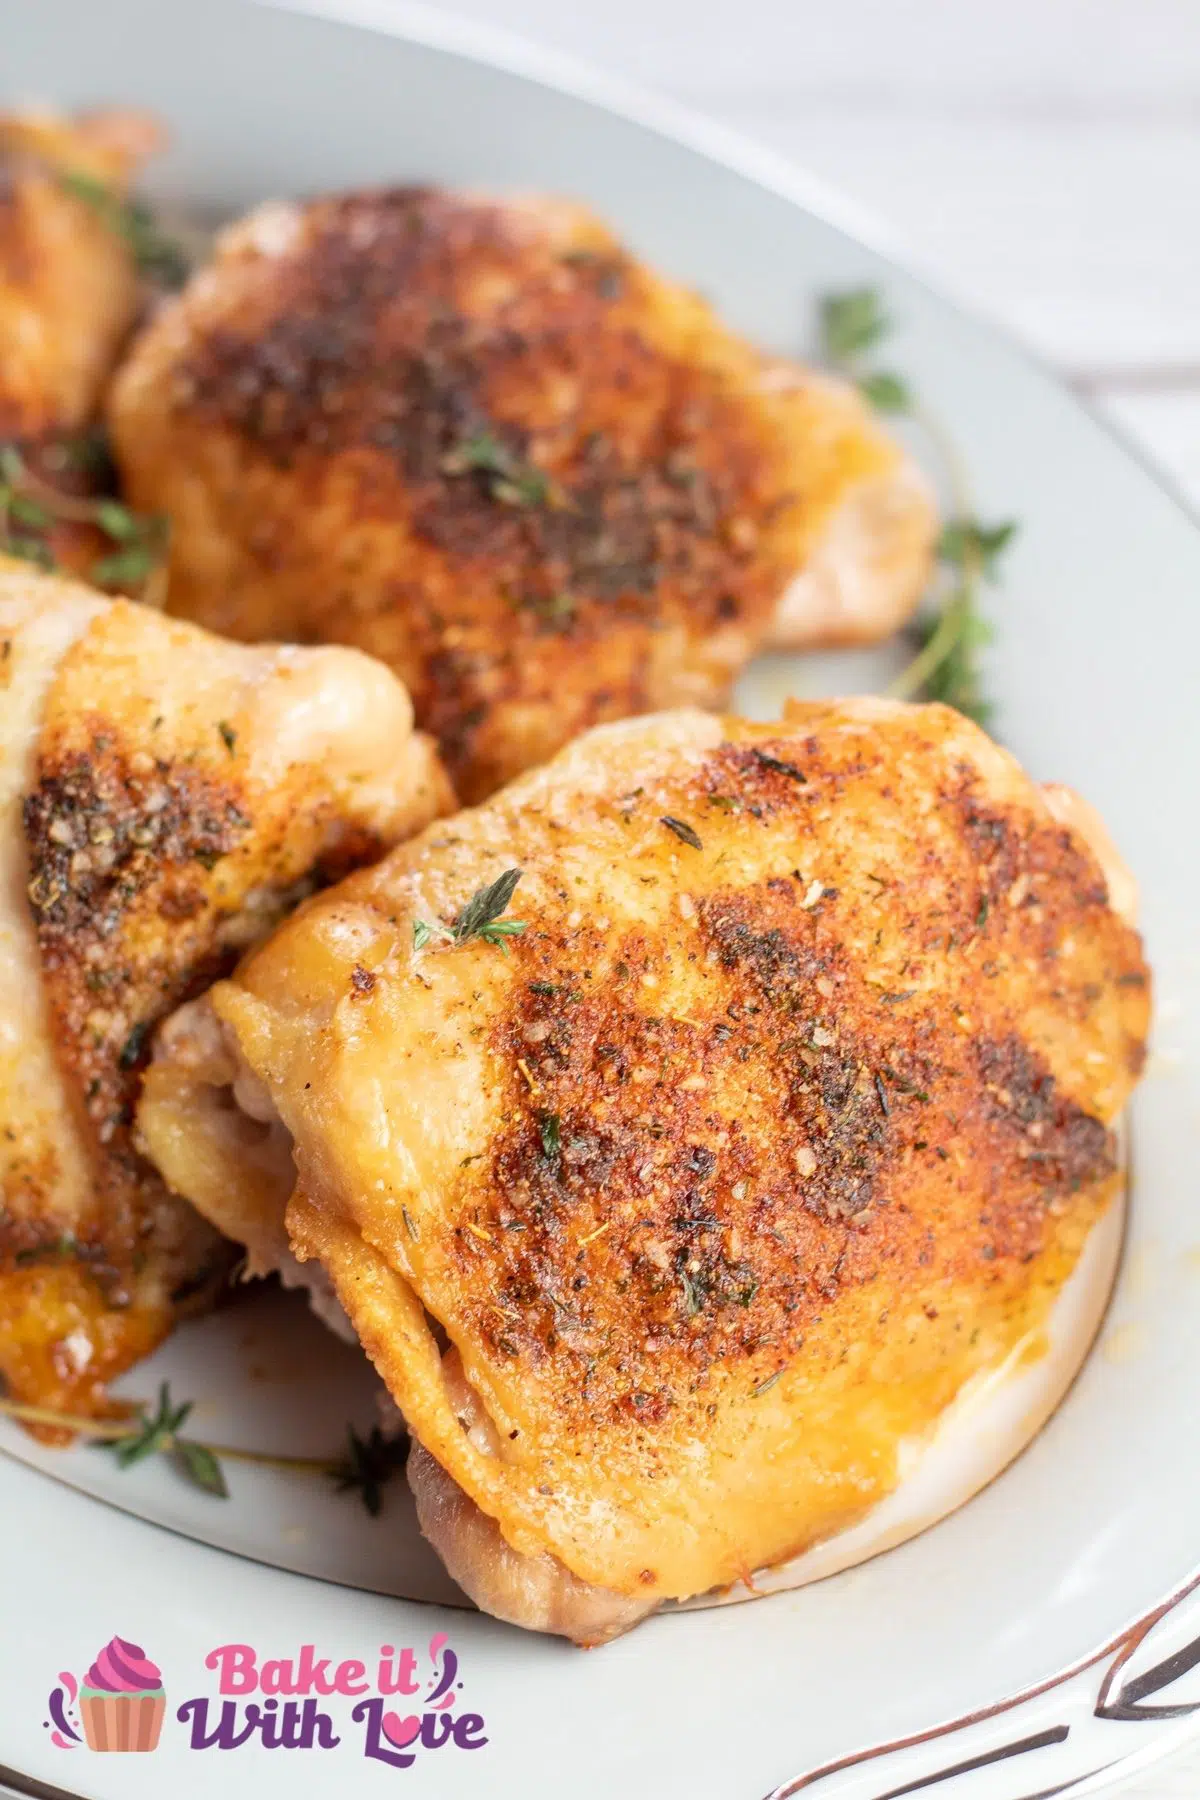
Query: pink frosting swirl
(121,1668)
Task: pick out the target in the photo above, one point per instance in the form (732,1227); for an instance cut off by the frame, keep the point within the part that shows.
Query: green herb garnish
(152,1434)
(30,550)
(143,547)
(550,1131)
(201,1467)
(480,917)
(778,765)
(158,256)
(851,322)
(555,609)
(950,636)
(157,1434)
(369,1465)
(30,505)
(511,480)
(683,831)
(693,1294)
(967,541)
(64,1245)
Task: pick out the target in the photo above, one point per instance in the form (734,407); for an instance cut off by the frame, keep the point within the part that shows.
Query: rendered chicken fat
(787,1114)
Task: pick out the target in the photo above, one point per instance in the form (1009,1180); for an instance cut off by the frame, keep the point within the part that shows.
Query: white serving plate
(1037,1641)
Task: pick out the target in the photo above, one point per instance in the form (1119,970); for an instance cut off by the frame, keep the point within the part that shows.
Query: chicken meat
(677,1185)
(164,797)
(478,438)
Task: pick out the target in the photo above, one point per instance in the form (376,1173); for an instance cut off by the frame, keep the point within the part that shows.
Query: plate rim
(498,48)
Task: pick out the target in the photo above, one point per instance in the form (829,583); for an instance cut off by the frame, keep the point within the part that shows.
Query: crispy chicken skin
(478,438)
(69,296)
(68,283)
(163,797)
(787,1114)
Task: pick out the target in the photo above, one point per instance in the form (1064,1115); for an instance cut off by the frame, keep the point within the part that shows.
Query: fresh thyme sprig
(509,479)
(480,917)
(367,1467)
(159,1435)
(951,634)
(159,257)
(30,507)
(851,324)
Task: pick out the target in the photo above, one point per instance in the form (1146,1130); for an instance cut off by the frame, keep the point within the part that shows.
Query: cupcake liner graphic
(121,1699)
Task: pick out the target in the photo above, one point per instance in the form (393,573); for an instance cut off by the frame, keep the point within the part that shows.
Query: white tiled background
(1041,156)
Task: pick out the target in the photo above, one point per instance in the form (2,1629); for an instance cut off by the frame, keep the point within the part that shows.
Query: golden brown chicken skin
(68,282)
(787,1112)
(163,797)
(70,292)
(480,439)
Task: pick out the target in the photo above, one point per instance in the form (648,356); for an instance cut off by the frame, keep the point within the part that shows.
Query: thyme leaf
(202,1467)
(143,544)
(480,917)
(153,1434)
(486,905)
(512,481)
(965,542)
(122,526)
(686,833)
(369,1465)
(499,929)
(550,1131)
(887,391)
(23,511)
(851,322)
(778,766)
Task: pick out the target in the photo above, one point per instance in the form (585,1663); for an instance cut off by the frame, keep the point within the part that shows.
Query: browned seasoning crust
(756,1146)
(162,833)
(483,441)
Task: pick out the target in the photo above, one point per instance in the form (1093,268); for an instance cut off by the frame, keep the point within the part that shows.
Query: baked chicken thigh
(479,439)
(68,281)
(678,1184)
(70,292)
(164,797)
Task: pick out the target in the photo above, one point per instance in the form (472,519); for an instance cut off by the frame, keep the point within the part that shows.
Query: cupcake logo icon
(118,1705)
